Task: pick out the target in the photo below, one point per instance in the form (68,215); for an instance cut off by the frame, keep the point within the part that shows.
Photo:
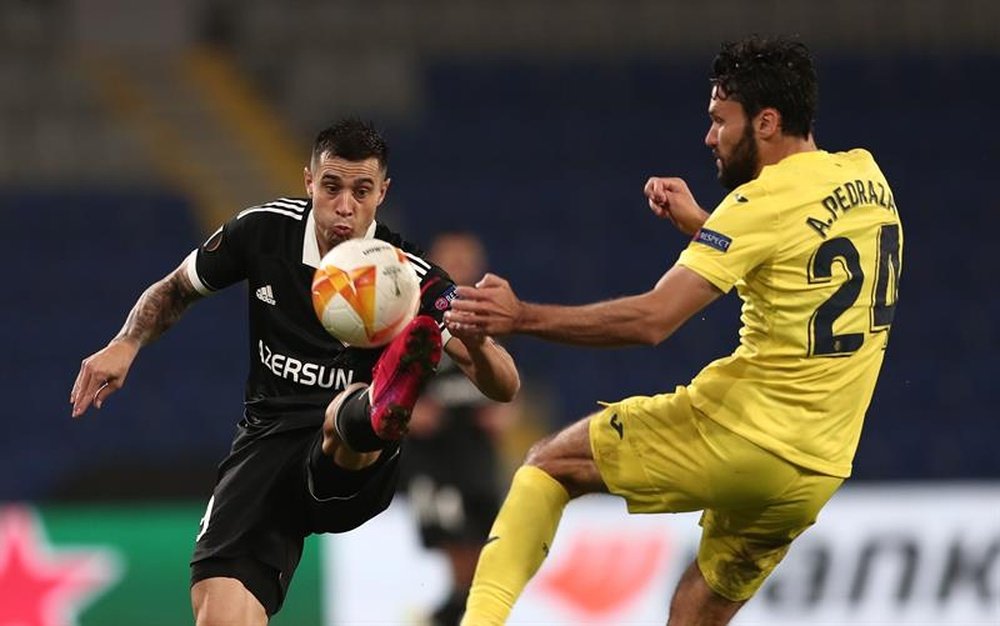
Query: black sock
(354,423)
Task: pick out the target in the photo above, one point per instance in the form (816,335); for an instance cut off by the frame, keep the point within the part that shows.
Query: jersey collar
(310,247)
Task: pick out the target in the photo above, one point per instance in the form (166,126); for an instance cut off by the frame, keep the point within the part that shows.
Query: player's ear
(308,178)
(383,190)
(767,123)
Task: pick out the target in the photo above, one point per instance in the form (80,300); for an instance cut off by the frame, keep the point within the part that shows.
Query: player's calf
(347,435)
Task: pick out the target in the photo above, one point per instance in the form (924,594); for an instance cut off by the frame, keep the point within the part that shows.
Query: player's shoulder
(857,155)
(798,179)
(753,194)
(425,268)
(412,251)
(387,234)
(862,161)
(275,211)
(262,222)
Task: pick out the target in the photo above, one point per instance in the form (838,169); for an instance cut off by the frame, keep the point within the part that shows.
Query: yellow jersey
(814,247)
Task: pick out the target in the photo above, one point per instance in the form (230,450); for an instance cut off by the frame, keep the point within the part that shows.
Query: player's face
(732,140)
(345,196)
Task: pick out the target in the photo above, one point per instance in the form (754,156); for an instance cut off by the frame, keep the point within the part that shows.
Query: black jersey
(296,367)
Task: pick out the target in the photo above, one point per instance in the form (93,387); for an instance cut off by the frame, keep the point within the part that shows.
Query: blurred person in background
(317,449)
(759,440)
(450,462)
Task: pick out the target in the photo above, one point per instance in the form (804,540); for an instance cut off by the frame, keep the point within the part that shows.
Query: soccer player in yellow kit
(761,439)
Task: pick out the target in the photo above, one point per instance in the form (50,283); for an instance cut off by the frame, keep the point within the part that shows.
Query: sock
(518,544)
(354,423)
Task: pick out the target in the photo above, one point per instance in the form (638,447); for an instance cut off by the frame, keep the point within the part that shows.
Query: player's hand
(472,337)
(490,308)
(102,374)
(670,198)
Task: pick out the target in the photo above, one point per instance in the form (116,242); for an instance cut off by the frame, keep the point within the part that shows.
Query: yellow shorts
(662,455)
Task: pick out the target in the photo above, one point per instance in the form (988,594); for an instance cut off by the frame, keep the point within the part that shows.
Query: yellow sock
(518,543)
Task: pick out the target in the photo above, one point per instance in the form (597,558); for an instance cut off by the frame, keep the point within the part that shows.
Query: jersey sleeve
(222,259)
(437,290)
(737,237)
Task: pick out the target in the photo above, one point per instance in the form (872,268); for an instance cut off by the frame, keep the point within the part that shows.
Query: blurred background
(130,130)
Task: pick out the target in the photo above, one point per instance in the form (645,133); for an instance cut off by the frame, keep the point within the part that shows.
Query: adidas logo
(265,294)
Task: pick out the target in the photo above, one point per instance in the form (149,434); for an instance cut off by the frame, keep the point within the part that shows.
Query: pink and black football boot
(401,373)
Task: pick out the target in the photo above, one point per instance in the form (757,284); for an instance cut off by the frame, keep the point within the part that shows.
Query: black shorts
(269,496)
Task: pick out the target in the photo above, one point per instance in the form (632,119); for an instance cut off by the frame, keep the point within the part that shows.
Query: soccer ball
(365,291)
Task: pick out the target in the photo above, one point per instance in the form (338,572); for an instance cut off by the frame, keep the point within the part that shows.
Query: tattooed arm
(104,372)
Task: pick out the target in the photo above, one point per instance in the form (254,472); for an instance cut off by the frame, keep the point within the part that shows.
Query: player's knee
(213,617)
(569,446)
(227,616)
(347,400)
(224,602)
(331,440)
(541,452)
(577,473)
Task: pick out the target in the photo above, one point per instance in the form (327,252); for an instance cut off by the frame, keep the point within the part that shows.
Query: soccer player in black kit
(317,449)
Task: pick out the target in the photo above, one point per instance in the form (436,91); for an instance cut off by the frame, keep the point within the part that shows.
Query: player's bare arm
(486,363)
(493,308)
(670,198)
(157,309)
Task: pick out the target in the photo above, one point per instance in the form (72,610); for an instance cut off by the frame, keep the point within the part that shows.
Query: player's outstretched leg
(367,418)
(401,373)
(348,421)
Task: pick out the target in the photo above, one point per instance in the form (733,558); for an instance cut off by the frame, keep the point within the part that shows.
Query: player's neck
(322,245)
(776,151)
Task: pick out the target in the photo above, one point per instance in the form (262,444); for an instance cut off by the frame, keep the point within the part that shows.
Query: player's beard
(741,166)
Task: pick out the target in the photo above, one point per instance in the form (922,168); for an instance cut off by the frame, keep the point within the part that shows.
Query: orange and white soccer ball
(365,291)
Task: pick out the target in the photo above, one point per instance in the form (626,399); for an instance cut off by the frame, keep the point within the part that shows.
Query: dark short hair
(351,139)
(770,72)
